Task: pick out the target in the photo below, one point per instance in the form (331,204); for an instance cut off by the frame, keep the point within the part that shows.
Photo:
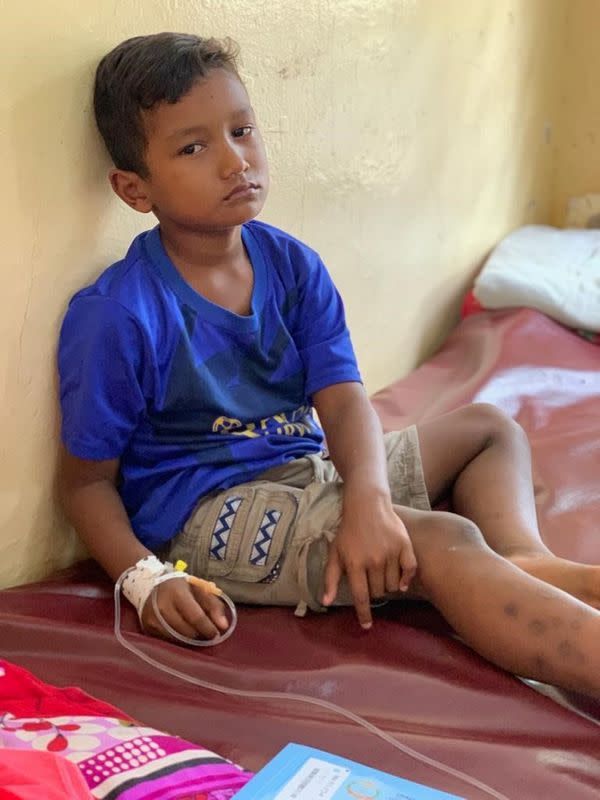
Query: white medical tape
(140,582)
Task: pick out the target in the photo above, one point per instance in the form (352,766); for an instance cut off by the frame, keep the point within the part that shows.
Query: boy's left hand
(373,549)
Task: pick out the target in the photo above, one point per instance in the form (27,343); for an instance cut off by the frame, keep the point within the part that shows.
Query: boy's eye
(243,131)
(191,149)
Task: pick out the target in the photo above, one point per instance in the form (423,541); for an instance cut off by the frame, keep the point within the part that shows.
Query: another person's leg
(514,620)
(480,458)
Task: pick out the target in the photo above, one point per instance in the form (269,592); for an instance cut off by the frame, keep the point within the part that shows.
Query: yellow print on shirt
(298,423)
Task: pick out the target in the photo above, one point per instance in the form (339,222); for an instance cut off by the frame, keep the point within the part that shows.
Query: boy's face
(206,158)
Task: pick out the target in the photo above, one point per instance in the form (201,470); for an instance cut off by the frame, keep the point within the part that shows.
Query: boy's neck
(205,249)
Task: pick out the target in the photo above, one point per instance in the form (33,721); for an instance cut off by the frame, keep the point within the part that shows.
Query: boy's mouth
(242,189)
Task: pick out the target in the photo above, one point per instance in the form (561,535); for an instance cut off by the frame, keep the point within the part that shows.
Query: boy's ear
(132,189)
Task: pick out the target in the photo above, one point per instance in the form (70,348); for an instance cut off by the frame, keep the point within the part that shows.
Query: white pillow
(552,270)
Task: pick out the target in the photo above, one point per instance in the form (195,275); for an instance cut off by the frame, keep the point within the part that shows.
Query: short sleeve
(321,334)
(101,367)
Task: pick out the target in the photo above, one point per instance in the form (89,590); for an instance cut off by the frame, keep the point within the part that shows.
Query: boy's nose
(233,161)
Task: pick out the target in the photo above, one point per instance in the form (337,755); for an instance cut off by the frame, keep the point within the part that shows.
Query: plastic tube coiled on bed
(276,696)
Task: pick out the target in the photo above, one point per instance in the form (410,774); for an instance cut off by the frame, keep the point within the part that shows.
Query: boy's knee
(452,532)
(440,531)
(441,541)
(495,424)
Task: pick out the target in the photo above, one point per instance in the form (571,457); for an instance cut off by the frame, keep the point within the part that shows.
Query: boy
(189,371)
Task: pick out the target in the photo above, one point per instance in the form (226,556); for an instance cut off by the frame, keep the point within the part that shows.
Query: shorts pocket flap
(240,534)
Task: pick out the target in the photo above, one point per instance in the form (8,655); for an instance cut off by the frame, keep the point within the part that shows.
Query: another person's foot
(580,580)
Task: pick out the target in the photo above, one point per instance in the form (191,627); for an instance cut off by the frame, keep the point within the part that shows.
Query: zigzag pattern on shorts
(264,537)
(223,525)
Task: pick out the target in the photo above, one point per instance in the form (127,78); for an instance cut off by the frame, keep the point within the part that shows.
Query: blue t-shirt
(190,396)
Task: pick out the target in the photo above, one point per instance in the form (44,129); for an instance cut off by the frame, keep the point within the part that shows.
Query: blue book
(303,773)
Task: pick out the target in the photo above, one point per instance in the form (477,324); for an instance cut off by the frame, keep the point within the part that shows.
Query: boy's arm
(371,546)
(88,494)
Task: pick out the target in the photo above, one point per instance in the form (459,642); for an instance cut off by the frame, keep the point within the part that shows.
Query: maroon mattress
(407,675)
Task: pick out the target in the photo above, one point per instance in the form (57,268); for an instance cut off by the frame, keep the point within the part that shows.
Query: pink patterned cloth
(118,758)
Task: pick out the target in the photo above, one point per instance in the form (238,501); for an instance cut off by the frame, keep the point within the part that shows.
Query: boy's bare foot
(580,580)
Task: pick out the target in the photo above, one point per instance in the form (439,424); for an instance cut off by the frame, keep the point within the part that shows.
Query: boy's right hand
(188,609)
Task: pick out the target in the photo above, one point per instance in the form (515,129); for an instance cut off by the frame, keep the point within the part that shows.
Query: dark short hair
(142,72)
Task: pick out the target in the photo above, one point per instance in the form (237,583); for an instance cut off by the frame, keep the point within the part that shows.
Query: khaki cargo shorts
(266,542)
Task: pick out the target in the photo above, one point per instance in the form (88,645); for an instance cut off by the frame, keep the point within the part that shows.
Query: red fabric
(32,775)
(23,695)
(471,305)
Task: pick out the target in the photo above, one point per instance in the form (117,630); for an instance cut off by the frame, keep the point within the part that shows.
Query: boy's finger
(408,564)
(392,575)
(213,607)
(333,574)
(359,587)
(193,614)
(173,618)
(377,582)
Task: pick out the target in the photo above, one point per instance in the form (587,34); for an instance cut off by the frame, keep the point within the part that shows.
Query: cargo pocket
(240,534)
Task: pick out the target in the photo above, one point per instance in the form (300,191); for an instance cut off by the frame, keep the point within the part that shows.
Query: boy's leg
(516,621)
(481,459)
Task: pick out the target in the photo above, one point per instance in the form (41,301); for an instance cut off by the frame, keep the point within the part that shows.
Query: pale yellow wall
(405,137)
(578,162)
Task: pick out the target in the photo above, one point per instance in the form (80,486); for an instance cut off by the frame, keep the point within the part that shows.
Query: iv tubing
(279,696)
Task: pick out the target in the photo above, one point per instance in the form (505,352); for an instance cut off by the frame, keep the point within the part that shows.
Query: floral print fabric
(118,758)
